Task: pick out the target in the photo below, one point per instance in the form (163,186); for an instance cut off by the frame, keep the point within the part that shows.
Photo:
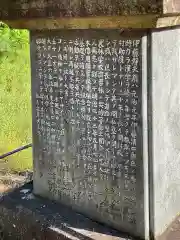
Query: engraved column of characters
(81,82)
(103,166)
(114,114)
(88,164)
(40,96)
(51,111)
(70,104)
(52,77)
(80,108)
(93,95)
(106,126)
(80,100)
(135,105)
(134,85)
(129,189)
(65,71)
(86,95)
(127,107)
(94,113)
(74,64)
(59,103)
(90,170)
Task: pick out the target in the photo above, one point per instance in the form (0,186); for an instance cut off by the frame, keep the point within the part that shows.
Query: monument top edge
(54,14)
(150,21)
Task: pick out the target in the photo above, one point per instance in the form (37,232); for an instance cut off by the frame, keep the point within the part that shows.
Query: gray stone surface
(21,9)
(158,172)
(25,216)
(165,162)
(87,156)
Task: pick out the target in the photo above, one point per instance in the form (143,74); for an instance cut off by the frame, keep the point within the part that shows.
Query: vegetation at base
(15,97)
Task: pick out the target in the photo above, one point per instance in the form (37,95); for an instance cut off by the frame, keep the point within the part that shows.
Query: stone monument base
(25,216)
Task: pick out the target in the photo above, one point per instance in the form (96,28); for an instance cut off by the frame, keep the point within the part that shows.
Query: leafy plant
(15,92)
(12,40)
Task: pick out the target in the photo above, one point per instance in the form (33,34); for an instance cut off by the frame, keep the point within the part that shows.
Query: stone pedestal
(105,120)
(88,87)
(105,101)
(25,216)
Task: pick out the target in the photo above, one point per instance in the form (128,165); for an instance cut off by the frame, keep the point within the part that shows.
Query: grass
(15,107)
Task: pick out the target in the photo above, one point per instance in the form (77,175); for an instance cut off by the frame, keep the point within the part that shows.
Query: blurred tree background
(15,97)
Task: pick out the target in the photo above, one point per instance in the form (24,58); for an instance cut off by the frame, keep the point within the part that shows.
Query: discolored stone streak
(76,8)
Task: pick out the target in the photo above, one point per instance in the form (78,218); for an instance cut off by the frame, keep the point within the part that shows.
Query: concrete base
(25,216)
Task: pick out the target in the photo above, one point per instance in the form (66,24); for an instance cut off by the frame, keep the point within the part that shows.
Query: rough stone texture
(165,162)
(82,8)
(77,8)
(12,180)
(164,117)
(171,6)
(103,181)
(3,188)
(24,216)
(85,14)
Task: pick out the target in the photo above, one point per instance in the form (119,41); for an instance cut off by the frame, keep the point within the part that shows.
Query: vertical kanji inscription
(88,121)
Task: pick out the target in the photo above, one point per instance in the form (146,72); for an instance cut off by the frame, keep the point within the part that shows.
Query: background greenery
(15,97)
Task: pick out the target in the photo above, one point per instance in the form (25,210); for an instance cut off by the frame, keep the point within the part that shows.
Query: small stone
(25,191)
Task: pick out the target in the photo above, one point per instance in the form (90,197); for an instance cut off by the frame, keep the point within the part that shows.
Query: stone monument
(106,115)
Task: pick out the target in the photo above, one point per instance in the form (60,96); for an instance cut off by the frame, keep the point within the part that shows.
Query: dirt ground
(12,180)
(3,188)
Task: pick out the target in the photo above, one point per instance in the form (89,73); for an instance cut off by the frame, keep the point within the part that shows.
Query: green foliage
(12,40)
(15,102)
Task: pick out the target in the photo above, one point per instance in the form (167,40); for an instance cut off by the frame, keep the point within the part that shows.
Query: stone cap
(84,14)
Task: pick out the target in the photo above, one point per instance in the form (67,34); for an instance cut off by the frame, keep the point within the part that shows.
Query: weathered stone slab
(84,14)
(106,22)
(77,8)
(87,124)
(67,168)
(165,124)
(25,216)
(171,6)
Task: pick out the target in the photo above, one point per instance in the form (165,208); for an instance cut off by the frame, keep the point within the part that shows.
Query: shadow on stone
(25,216)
